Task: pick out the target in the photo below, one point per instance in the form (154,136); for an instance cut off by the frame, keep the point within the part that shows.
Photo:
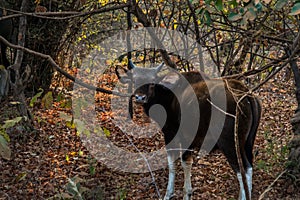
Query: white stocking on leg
(187,188)
(249,183)
(171,180)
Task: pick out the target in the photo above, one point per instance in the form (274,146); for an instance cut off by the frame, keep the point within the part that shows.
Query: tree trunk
(20,80)
(294,157)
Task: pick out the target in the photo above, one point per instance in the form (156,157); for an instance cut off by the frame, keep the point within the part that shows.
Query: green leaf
(67,158)
(35,97)
(106,132)
(80,153)
(47,100)
(233,3)
(234,16)
(219,5)
(5,151)
(260,164)
(4,134)
(280,4)
(68,103)
(13,103)
(73,188)
(71,125)
(242,10)
(295,9)
(259,7)
(21,176)
(207,17)
(11,122)
(60,97)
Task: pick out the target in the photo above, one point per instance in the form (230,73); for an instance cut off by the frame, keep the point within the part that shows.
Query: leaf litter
(44,160)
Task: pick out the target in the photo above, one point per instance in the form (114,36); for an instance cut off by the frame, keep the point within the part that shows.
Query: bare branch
(70,15)
(56,66)
(142,18)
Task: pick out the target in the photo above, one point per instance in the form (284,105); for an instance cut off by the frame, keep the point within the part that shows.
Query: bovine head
(144,80)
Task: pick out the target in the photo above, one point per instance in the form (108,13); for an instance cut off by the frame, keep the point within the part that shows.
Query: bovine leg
(235,166)
(242,195)
(249,173)
(186,162)
(171,180)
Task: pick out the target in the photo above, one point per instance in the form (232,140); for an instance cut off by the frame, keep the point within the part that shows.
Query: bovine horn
(130,107)
(130,64)
(158,68)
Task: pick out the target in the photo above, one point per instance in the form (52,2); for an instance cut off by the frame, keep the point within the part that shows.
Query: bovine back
(194,76)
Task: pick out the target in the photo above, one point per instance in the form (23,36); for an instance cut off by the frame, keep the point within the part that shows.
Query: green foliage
(11,122)
(234,16)
(75,189)
(242,11)
(81,126)
(280,4)
(5,151)
(47,100)
(92,166)
(219,5)
(106,131)
(64,102)
(121,194)
(295,9)
(35,97)
(261,165)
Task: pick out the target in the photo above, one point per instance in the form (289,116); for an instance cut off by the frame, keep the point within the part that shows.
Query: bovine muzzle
(140,98)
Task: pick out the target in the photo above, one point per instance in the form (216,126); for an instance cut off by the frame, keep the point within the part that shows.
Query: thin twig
(146,161)
(271,185)
(218,108)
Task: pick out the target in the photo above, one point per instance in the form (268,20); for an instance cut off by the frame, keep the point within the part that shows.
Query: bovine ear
(123,74)
(170,80)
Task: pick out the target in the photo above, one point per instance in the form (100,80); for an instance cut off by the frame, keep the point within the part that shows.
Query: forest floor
(53,161)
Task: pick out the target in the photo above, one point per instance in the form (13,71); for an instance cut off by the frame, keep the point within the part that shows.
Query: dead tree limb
(59,69)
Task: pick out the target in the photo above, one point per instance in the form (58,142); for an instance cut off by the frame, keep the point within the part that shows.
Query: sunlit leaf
(4,134)
(207,17)
(106,132)
(219,5)
(280,4)
(21,176)
(11,122)
(35,97)
(47,100)
(70,124)
(14,103)
(295,9)
(5,151)
(233,3)
(258,6)
(234,16)
(67,158)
